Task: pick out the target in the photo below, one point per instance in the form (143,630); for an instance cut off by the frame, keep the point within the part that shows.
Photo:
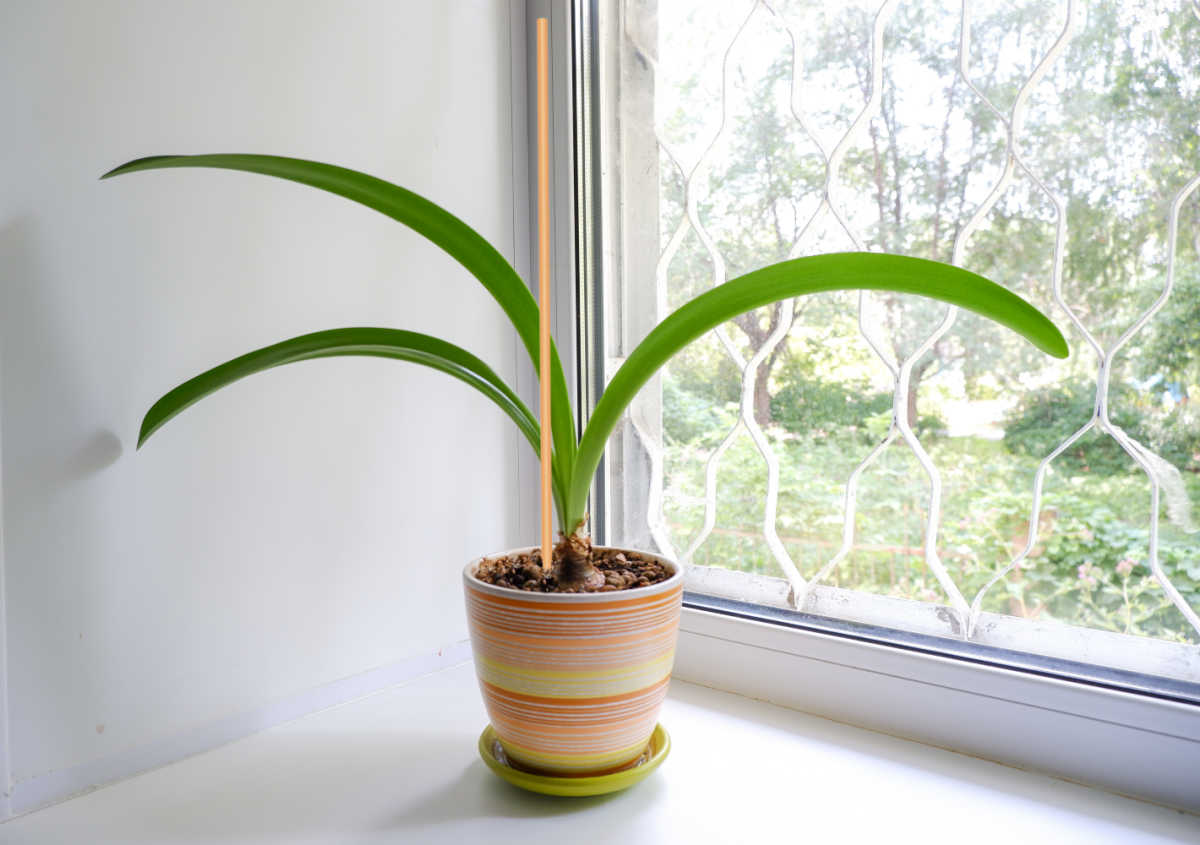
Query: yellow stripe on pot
(574,684)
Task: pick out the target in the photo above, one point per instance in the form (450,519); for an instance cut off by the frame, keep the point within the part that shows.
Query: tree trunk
(912,402)
(758,335)
(762,395)
(762,387)
(914,385)
(943,167)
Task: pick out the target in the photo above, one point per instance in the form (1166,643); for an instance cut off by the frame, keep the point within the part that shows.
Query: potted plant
(573,663)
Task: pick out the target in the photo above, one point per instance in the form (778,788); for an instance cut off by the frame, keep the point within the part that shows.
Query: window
(882,461)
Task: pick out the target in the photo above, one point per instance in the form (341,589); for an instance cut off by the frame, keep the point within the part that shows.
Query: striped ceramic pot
(573,682)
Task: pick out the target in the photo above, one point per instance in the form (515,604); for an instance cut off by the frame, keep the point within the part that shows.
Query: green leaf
(382,343)
(463,243)
(800,276)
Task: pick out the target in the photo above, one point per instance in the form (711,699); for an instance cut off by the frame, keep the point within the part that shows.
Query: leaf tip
(144,163)
(1056,345)
(144,433)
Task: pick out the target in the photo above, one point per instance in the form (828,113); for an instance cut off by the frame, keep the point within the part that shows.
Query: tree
(1112,130)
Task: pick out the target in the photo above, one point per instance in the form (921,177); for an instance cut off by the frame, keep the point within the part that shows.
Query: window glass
(1053,147)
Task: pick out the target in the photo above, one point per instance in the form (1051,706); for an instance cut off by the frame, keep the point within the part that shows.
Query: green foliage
(1088,565)
(456,238)
(1045,418)
(794,278)
(398,345)
(1114,137)
(1172,345)
(574,463)
(1175,435)
(688,417)
(706,372)
(805,404)
(1094,567)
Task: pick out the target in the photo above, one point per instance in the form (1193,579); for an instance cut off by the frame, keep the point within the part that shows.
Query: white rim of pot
(473,583)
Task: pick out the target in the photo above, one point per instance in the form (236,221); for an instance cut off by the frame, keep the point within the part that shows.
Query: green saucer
(656,752)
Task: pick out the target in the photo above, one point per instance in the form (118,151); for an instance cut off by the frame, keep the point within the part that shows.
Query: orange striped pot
(573,682)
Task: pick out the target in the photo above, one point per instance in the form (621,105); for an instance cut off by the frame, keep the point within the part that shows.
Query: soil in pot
(621,570)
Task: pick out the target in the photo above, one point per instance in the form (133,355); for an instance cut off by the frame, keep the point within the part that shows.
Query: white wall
(303,525)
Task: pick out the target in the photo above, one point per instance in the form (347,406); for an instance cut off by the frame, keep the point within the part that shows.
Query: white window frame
(1138,743)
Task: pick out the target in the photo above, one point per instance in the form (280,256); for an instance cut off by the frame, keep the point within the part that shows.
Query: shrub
(1047,417)
(688,417)
(1175,435)
(806,404)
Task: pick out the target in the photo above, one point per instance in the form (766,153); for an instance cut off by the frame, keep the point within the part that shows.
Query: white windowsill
(401,766)
(1127,743)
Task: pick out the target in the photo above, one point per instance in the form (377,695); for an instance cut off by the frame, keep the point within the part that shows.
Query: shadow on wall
(98,452)
(48,447)
(40,453)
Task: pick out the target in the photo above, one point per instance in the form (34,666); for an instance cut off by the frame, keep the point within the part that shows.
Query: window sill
(401,766)
(1128,743)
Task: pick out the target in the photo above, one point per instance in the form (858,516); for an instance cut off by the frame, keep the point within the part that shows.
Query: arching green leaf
(382,343)
(463,243)
(800,276)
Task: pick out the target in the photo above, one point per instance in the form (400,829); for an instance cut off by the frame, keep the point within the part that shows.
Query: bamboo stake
(543,131)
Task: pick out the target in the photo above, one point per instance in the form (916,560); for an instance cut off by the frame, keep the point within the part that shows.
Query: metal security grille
(825,220)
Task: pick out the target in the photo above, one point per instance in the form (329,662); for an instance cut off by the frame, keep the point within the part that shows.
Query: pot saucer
(652,757)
